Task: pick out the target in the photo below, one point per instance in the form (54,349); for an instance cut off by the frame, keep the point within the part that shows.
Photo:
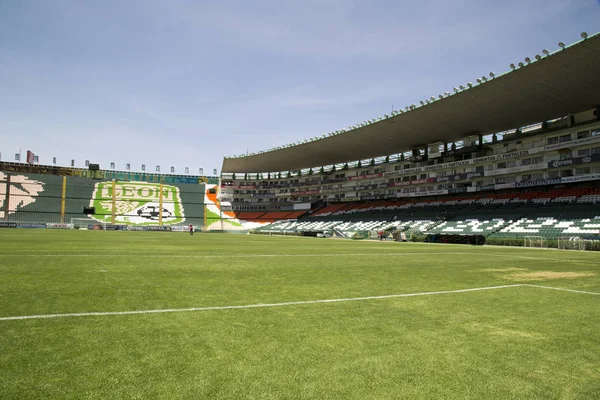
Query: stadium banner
(474,161)
(580,178)
(30,157)
(30,226)
(137,228)
(418,194)
(512,170)
(111,227)
(59,226)
(370,176)
(160,228)
(137,203)
(459,177)
(572,143)
(35,169)
(574,161)
(415,182)
(539,182)
(501,186)
(4,224)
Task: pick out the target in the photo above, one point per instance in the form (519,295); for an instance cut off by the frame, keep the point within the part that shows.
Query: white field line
(237,255)
(289,303)
(562,289)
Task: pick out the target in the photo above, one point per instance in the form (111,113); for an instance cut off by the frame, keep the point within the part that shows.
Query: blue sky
(183,83)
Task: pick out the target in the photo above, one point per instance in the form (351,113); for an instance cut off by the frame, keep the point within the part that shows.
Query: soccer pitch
(167,315)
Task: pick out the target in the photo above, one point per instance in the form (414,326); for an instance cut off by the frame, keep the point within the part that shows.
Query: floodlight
(512,66)
(406,108)
(561,45)
(478,80)
(527,60)
(432,98)
(462,87)
(441,97)
(447,93)
(546,52)
(484,78)
(584,35)
(422,103)
(538,57)
(492,75)
(414,106)
(521,65)
(455,89)
(470,85)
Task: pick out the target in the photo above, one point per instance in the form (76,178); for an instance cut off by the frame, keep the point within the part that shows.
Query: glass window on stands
(582,171)
(553,174)
(583,134)
(596,131)
(552,140)
(564,138)
(584,152)
(565,155)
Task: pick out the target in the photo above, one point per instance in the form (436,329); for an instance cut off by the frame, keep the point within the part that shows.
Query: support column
(204,224)
(7,204)
(63,200)
(160,205)
(114,202)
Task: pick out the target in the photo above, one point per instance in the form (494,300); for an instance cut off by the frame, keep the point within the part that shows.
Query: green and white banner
(137,203)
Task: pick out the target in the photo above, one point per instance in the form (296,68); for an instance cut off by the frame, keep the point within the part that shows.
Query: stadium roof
(567,81)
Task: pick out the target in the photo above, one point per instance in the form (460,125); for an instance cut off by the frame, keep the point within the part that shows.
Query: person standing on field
(191,229)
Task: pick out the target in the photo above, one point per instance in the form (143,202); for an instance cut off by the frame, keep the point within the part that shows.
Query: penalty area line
(260,305)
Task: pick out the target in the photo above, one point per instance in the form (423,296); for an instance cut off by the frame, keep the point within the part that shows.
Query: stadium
(446,250)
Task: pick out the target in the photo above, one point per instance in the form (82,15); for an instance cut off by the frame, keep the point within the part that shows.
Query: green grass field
(515,342)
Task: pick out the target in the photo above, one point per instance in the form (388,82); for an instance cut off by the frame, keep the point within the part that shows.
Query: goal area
(571,243)
(87,223)
(535,241)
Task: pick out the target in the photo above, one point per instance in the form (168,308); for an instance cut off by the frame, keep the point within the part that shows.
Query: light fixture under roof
(546,52)
(492,75)
(527,60)
(455,89)
(521,65)
(512,66)
(561,45)
(584,35)
(478,80)
(538,57)
(470,85)
(422,103)
(432,98)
